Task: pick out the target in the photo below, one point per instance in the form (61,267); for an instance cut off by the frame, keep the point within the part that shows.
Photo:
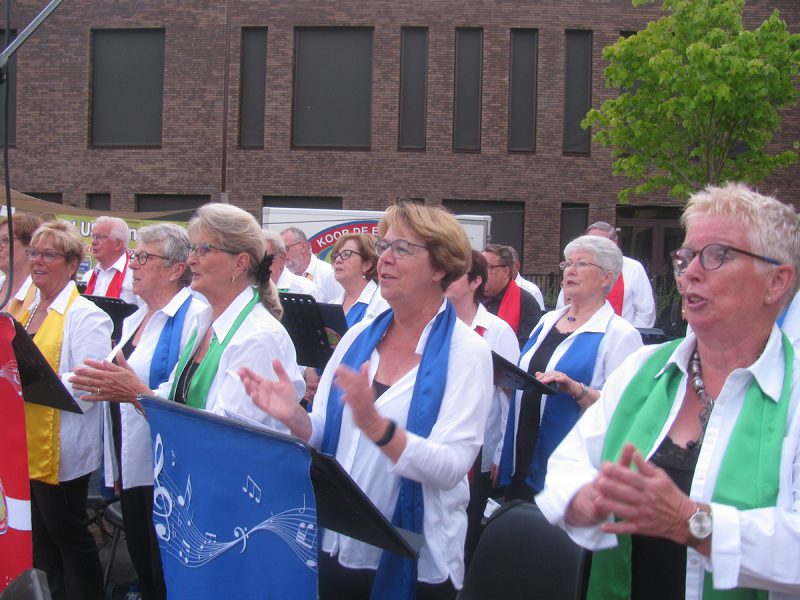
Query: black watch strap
(387,437)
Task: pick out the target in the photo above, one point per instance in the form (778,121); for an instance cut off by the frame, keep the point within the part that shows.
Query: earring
(233,278)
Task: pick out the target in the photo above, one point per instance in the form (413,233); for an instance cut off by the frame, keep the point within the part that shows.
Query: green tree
(700,98)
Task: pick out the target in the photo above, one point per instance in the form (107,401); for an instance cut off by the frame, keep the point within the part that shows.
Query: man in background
(526,285)
(283,278)
(111,276)
(301,261)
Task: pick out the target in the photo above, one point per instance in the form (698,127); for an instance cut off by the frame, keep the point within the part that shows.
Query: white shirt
(294,284)
(791,323)
(638,305)
(259,340)
(137,450)
(324,278)
(371,296)
(87,334)
(105,276)
(620,340)
(500,338)
(440,462)
(531,288)
(749,548)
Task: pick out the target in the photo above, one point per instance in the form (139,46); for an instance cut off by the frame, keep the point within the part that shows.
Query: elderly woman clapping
(576,348)
(685,472)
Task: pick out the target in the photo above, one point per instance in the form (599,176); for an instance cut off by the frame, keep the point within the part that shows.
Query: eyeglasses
(490,267)
(344,254)
(100,236)
(142,257)
(712,257)
(4,241)
(580,264)
(401,248)
(294,244)
(47,256)
(202,249)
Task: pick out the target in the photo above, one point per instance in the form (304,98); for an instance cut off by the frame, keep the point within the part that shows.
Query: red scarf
(617,294)
(510,305)
(115,287)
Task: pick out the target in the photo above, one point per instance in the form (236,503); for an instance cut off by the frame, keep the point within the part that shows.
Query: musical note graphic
(252,489)
(184,500)
(304,531)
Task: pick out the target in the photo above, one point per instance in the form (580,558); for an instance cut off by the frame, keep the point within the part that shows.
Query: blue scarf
(560,413)
(356,313)
(168,347)
(782,316)
(396,577)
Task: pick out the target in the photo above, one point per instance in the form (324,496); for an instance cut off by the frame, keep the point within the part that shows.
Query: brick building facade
(200,155)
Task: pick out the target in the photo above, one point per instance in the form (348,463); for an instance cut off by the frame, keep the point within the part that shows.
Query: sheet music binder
(40,384)
(341,505)
(509,375)
(117,309)
(315,327)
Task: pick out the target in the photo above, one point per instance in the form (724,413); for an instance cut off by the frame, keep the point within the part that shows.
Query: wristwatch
(700,524)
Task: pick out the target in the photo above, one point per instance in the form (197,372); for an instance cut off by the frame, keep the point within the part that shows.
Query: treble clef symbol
(162,501)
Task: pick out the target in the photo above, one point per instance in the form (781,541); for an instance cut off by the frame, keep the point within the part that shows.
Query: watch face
(700,525)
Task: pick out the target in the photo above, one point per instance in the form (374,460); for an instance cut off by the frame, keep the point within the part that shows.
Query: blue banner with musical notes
(234,508)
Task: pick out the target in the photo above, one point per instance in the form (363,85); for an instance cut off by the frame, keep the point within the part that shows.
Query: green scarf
(748,476)
(207,371)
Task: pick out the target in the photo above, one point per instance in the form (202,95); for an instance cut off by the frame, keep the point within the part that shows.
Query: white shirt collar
(119,264)
(224,322)
(60,303)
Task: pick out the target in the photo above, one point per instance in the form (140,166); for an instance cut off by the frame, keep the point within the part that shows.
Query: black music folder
(40,384)
(315,327)
(509,375)
(117,309)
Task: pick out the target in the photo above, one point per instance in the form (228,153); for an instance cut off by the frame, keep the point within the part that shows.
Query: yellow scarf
(17,308)
(43,424)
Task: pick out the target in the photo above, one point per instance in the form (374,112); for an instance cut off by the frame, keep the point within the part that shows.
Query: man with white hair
(283,278)
(111,276)
(301,261)
(632,295)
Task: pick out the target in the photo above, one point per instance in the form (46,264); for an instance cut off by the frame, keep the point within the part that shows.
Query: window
(522,90)
(183,204)
(11,83)
(127,87)
(508,218)
(574,221)
(577,91)
(413,87)
(54,197)
(332,87)
(100,201)
(253,87)
(467,94)
(302,201)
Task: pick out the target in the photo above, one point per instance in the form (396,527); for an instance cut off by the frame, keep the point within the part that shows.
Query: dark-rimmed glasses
(202,249)
(401,248)
(712,257)
(142,257)
(344,254)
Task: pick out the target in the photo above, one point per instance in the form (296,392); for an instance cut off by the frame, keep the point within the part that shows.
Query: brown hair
(366,246)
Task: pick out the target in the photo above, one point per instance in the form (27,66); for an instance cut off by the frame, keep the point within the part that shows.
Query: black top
(529,312)
(184,381)
(530,407)
(658,566)
(116,416)
(379,388)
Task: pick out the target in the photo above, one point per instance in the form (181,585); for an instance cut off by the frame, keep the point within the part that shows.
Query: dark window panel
(98,201)
(127,87)
(413,88)
(183,204)
(467,96)
(577,91)
(574,221)
(253,87)
(302,201)
(11,83)
(332,87)
(54,197)
(522,90)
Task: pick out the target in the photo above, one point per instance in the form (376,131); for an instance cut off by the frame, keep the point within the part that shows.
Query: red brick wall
(53,153)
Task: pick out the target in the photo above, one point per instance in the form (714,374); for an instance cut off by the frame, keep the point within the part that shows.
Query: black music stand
(117,309)
(509,375)
(315,327)
(40,384)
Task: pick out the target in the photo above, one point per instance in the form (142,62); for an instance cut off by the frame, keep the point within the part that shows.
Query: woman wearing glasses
(402,404)
(17,279)
(63,447)
(684,476)
(575,349)
(355,267)
(239,326)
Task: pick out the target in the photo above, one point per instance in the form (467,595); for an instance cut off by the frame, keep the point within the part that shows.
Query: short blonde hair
(773,227)
(65,237)
(445,238)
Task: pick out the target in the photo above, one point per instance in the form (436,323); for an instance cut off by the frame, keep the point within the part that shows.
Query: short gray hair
(174,242)
(773,227)
(119,228)
(275,241)
(606,254)
(299,233)
(603,226)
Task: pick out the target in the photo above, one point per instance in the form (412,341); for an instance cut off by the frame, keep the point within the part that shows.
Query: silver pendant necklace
(700,389)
